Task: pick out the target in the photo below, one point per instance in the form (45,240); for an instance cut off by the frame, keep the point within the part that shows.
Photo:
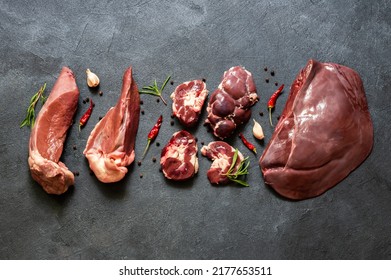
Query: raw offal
(110,147)
(188,99)
(230,104)
(324,133)
(221,153)
(49,133)
(179,157)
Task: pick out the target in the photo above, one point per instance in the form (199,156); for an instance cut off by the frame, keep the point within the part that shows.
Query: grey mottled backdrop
(150,217)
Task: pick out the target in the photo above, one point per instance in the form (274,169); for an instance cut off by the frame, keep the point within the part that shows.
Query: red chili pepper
(247,144)
(87,114)
(272,102)
(153,133)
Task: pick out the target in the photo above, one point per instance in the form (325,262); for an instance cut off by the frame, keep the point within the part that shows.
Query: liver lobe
(324,133)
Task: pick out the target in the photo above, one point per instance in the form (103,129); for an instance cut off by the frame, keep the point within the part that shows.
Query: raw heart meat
(179,157)
(188,99)
(230,104)
(49,133)
(324,133)
(110,147)
(222,155)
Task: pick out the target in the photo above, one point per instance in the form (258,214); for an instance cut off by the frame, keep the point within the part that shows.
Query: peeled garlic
(258,131)
(92,79)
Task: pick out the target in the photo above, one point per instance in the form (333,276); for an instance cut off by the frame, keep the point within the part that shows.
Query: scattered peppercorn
(100,118)
(172,122)
(172,116)
(261,114)
(204,80)
(100,93)
(202,143)
(154,159)
(196,139)
(267,80)
(278,117)
(172,82)
(74,147)
(84,102)
(276,84)
(141,175)
(157,144)
(158,100)
(139,163)
(141,102)
(87,99)
(272,73)
(142,112)
(76,173)
(265,69)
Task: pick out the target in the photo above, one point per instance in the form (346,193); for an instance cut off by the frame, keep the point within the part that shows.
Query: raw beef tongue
(110,147)
(49,133)
(325,132)
(230,104)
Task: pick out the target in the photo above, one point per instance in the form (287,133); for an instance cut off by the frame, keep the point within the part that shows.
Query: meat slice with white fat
(188,99)
(221,153)
(49,133)
(230,104)
(110,146)
(324,133)
(179,159)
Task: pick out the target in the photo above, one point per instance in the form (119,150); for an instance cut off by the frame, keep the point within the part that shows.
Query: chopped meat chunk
(188,99)
(179,157)
(222,155)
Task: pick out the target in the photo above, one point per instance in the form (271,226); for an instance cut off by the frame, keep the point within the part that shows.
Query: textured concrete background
(152,218)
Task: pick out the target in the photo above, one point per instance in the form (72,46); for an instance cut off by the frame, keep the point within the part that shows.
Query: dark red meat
(188,99)
(325,132)
(230,104)
(49,133)
(110,146)
(179,157)
(221,153)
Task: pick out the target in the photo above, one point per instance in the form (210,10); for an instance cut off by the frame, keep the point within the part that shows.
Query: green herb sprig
(242,170)
(155,90)
(30,118)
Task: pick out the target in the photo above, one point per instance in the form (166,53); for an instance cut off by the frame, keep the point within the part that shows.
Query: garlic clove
(92,79)
(258,131)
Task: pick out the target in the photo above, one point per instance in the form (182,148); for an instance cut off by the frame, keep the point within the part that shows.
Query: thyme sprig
(155,90)
(242,170)
(30,117)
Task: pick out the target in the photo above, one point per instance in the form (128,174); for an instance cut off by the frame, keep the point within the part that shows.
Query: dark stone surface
(150,217)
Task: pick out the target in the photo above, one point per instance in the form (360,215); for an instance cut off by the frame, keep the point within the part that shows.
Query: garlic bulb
(92,79)
(258,131)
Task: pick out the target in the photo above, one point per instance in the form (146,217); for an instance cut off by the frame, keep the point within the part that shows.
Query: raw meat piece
(222,154)
(110,147)
(230,104)
(49,133)
(188,99)
(325,132)
(179,157)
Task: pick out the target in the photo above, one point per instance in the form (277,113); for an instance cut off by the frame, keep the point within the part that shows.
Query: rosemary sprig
(30,118)
(242,170)
(155,90)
